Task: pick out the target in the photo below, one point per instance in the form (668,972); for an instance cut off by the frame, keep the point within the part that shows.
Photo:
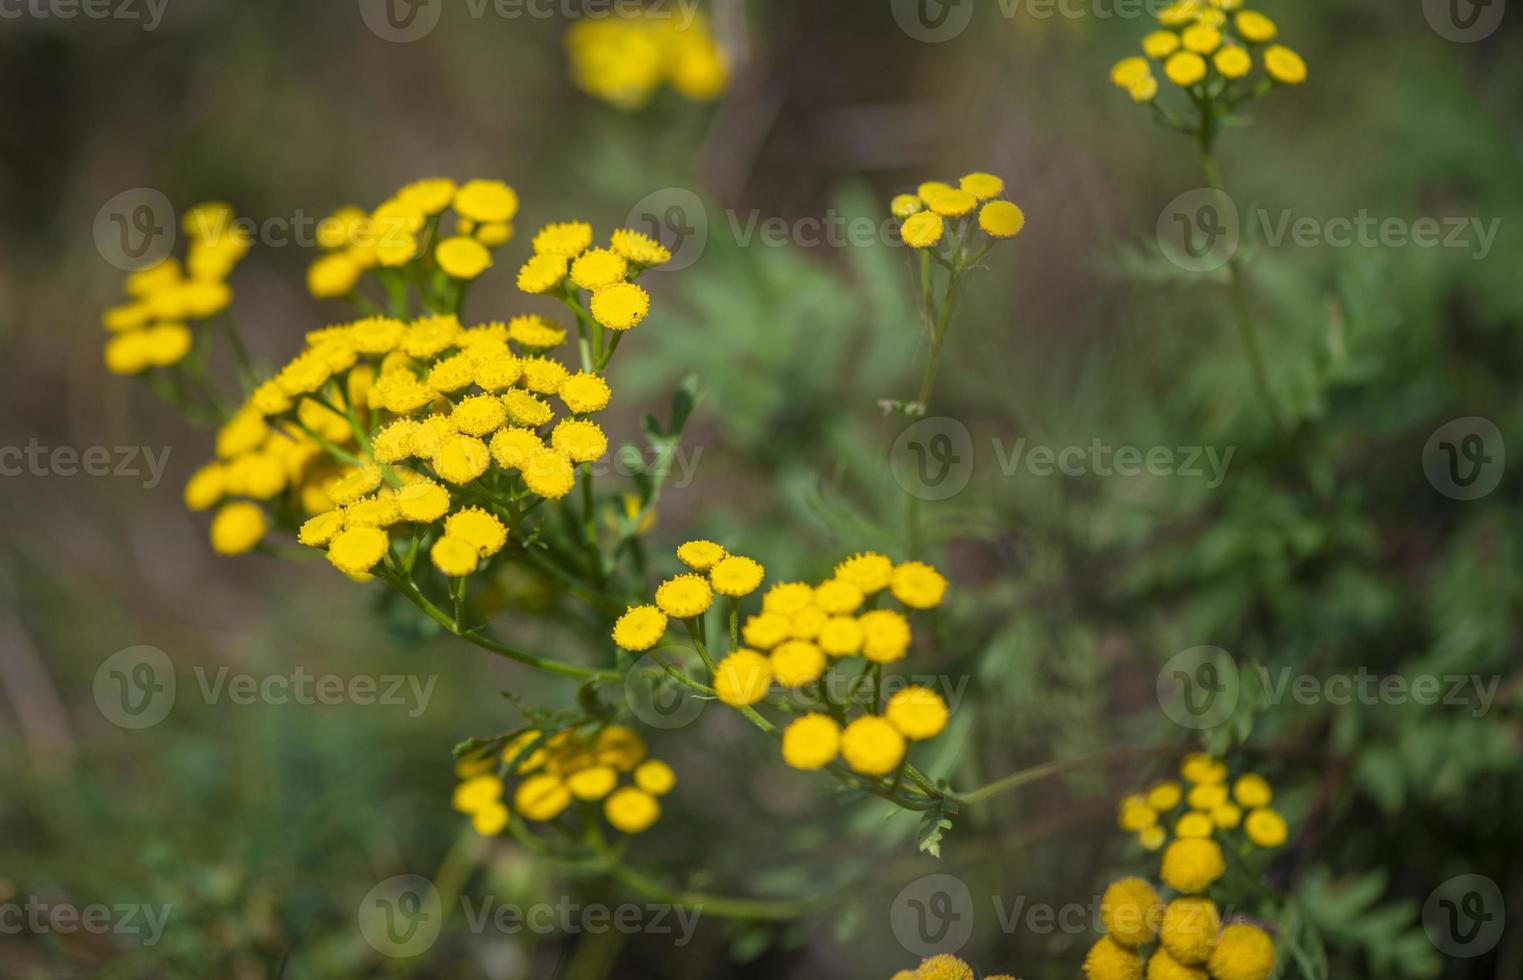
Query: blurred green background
(262,827)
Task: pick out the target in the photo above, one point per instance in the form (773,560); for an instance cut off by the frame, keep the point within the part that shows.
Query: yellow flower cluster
(624,59)
(944,967)
(150,330)
(553,770)
(565,263)
(409,232)
(1204,807)
(935,212)
(799,634)
(1192,944)
(1207,46)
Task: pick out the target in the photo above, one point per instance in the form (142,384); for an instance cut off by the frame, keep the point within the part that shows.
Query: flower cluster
(1204,807)
(1192,943)
(944,967)
(623,60)
(935,213)
(410,233)
(801,632)
(555,769)
(151,329)
(446,433)
(1209,48)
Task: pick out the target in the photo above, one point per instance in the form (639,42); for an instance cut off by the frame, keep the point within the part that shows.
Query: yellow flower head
(872,746)
(1165,795)
(742,678)
(765,630)
(454,556)
(1131,910)
(356,550)
(549,474)
(868,571)
(620,306)
(1189,929)
(535,332)
(685,596)
(486,201)
(838,596)
(1185,68)
(655,777)
(479,529)
(632,810)
(1128,70)
(1284,65)
(700,556)
(599,267)
(917,712)
(1265,827)
(462,258)
(541,797)
(944,967)
(579,440)
(567,239)
(542,273)
(736,575)
(982,186)
(1254,27)
(1109,960)
(811,742)
(640,249)
(1160,44)
(1233,61)
(1243,952)
(797,662)
(904,205)
(885,635)
(918,585)
(640,628)
(1193,865)
(1252,790)
(1201,39)
(1162,966)
(238,528)
(922,230)
(1002,219)
(1194,824)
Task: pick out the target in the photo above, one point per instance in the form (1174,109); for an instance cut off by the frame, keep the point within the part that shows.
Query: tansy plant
(951,229)
(429,454)
(1219,56)
(815,653)
(625,58)
(1222,832)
